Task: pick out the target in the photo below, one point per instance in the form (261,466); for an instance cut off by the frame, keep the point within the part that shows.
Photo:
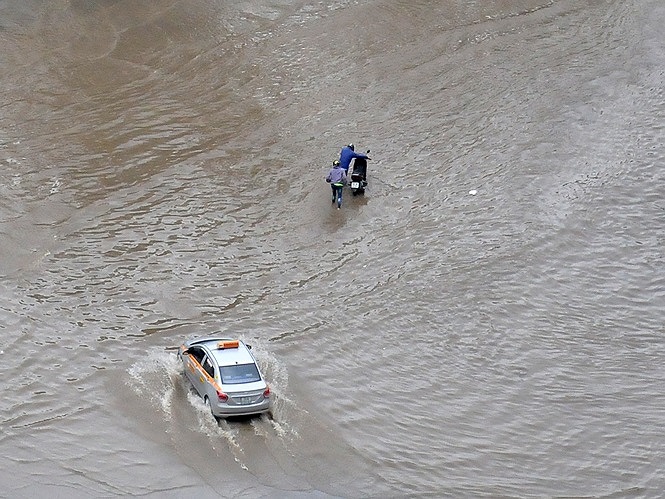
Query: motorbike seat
(359,169)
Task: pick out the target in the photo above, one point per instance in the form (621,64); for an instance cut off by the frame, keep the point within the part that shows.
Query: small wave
(155,376)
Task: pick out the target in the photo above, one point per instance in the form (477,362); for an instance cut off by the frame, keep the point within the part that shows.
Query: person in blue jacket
(337,179)
(347,154)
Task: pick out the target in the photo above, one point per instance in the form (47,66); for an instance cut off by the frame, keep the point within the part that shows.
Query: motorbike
(359,176)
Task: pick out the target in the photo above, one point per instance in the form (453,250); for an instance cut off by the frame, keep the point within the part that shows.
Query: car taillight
(223,397)
(266,392)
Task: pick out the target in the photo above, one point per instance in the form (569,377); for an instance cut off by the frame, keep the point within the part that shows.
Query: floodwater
(487,321)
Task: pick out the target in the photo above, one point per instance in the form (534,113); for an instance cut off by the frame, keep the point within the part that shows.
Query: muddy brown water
(487,321)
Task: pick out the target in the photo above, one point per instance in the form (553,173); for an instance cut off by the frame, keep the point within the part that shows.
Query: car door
(193,369)
(206,381)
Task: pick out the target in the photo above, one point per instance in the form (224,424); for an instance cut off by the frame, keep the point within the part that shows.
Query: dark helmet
(336,163)
(352,147)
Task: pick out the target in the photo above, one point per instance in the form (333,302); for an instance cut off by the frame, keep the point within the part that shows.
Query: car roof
(224,350)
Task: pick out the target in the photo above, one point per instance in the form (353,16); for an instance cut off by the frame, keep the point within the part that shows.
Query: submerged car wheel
(209,404)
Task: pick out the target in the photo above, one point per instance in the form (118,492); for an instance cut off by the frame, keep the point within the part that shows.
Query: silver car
(225,374)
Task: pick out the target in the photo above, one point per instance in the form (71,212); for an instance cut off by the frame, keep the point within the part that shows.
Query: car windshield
(243,373)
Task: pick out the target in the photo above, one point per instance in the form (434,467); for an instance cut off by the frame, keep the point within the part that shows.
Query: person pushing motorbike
(337,180)
(347,154)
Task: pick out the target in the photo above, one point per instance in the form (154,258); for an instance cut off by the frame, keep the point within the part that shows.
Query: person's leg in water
(339,195)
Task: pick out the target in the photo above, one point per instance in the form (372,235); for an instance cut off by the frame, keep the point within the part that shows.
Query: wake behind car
(225,374)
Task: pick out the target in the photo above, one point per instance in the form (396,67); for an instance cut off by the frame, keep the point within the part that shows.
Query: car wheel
(209,404)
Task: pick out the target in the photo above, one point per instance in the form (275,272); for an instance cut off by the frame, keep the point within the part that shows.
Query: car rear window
(243,373)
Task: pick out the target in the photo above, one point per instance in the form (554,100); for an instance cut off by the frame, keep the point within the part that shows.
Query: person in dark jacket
(337,180)
(347,154)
